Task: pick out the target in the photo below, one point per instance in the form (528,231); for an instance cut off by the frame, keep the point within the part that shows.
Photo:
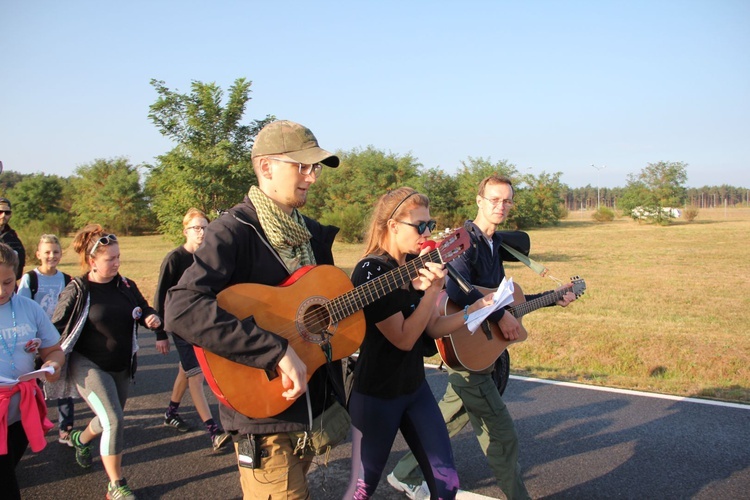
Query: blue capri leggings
(106,394)
(376,421)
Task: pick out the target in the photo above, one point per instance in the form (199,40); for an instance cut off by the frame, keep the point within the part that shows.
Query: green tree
(8,179)
(344,196)
(109,192)
(39,207)
(657,186)
(442,189)
(36,197)
(210,168)
(539,201)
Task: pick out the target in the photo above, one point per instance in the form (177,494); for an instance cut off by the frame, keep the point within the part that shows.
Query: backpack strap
(33,283)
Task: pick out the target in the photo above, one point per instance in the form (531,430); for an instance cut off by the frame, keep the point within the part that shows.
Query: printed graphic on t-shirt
(48,293)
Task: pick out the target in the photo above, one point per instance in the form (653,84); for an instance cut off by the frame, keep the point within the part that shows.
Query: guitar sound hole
(315,322)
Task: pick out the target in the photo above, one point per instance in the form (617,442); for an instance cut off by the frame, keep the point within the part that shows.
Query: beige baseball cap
(294,140)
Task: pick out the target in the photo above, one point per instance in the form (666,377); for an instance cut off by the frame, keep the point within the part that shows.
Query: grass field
(667,309)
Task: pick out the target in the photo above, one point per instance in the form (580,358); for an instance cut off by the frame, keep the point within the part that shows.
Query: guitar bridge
(486,329)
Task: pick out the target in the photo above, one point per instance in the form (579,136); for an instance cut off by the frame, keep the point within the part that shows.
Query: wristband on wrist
(466,313)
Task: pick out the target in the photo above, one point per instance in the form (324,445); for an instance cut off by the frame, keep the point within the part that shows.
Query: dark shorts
(187,356)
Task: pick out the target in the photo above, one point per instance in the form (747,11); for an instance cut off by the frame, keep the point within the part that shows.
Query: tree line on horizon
(210,168)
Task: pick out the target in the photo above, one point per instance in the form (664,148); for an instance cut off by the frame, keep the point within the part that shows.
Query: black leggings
(376,421)
(17,443)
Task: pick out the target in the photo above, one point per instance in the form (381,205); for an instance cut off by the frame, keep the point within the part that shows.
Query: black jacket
(10,238)
(236,250)
(72,301)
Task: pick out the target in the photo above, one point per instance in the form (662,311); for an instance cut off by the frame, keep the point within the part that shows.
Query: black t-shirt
(383,370)
(172,269)
(107,336)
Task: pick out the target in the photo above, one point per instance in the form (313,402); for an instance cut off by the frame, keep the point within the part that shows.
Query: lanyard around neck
(10,350)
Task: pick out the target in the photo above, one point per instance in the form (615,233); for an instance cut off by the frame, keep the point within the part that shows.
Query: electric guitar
(318,311)
(479,350)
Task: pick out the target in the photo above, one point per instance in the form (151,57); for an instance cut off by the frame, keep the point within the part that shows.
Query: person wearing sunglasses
(263,240)
(189,374)
(471,396)
(97,315)
(9,236)
(390,391)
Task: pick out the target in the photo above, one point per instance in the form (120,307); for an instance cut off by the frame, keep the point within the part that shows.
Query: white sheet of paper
(9,382)
(501,298)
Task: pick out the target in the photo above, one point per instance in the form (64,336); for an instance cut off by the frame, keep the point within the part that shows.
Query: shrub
(57,224)
(690,213)
(351,221)
(603,214)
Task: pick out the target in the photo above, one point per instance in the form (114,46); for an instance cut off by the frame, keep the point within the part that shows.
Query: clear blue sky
(547,85)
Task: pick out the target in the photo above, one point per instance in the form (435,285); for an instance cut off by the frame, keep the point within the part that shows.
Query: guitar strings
(334,310)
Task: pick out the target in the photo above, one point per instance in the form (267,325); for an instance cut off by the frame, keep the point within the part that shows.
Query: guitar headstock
(454,244)
(579,285)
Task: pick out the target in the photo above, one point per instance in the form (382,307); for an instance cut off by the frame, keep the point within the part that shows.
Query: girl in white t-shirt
(44,285)
(25,333)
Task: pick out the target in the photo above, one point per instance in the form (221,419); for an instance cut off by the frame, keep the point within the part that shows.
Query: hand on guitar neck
(568,297)
(320,314)
(432,276)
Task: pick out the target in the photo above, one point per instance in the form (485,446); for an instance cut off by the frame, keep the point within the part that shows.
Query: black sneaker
(176,422)
(119,490)
(220,439)
(83,451)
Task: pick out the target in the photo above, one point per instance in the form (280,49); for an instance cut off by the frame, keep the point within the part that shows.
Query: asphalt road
(575,443)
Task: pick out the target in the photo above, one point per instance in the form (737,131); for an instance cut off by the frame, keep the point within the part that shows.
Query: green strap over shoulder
(533,265)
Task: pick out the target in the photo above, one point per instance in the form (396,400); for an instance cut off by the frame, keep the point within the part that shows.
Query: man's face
(4,217)
(195,231)
(495,204)
(289,186)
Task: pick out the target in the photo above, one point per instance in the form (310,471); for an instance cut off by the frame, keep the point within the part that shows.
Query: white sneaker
(413,491)
(64,437)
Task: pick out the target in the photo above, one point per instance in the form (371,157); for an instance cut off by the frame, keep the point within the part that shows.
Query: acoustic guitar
(318,311)
(479,350)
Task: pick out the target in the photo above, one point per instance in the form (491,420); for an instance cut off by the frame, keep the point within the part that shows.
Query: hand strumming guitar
(510,327)
(293,375)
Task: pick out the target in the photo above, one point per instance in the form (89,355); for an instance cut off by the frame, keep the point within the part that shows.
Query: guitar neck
(532,305)
(367,293)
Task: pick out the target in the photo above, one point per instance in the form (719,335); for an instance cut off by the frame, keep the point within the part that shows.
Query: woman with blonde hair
(390,391)
(189,373)
(97,315)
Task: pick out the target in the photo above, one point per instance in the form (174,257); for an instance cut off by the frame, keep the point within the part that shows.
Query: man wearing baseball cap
(9,236)
(263,240)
